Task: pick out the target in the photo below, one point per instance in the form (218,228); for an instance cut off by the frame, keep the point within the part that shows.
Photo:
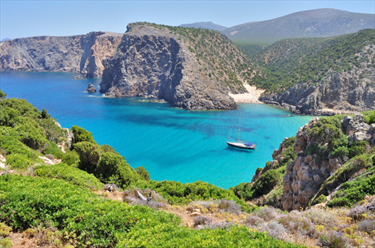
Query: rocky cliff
(339,79)
(84,54)
(318,159)
(189,68)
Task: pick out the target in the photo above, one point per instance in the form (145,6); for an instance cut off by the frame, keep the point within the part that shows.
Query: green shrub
(54,150)
(69,174)
(2,94)
(143,173)
(18,161)
(179,193)
(71,158)
(7,116)
(24,108)
(357,148)
(13,146)
(89,156)
(265,183)
(354,191)
(113,168)
(81,135)
(6,243)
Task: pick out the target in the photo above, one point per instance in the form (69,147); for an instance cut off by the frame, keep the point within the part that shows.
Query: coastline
(251,97)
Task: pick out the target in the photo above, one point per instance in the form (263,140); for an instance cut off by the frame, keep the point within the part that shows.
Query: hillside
(204,25)
(191,68)
(54,195)
(304,24)
(320,76)
(84,54)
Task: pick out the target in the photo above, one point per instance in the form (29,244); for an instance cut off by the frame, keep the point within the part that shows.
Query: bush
(143,173)
(81,135)
(267,213)
(333,239)
(54,150)
(5,243)
(357,212)
(18,161)
(13,146)
(179,193)
(366,226)
(4,230)
(354,191)
(253,221)
(114,167)
(70,158)
(274,229)
(321,217)
(357,148)
(89,156)
(265,183)
(202,220)
(69,174)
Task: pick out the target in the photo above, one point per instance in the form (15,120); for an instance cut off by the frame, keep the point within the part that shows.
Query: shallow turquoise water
(172,144)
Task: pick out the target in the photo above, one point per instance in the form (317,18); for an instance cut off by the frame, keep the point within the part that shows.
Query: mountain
(84,54)
(189,68)
(204,25)
(5,39)
(253,36)
(320,76)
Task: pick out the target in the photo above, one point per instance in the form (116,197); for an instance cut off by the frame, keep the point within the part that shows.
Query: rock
(156,62)
(195,214)
(90,88)
(79,77)
(46,160)
(111,187)
(83,54)
(343,92)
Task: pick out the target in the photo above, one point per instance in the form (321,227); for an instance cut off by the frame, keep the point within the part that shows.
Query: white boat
(241,144)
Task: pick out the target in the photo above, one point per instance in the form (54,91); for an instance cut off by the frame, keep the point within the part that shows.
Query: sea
(171,143)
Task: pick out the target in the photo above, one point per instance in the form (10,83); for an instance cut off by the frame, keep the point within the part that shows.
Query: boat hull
(241,145)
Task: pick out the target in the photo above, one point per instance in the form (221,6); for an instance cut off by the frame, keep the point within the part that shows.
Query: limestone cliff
(84,54)
(161,62)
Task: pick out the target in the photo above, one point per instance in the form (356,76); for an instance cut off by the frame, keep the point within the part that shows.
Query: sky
(61,18)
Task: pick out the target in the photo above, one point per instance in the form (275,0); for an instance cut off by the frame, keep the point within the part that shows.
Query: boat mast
(239,123)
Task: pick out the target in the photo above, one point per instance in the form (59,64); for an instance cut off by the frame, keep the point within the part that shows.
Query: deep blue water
(170,143)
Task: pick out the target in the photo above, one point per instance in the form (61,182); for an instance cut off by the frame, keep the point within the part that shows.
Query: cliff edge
(82,54)
(180,65)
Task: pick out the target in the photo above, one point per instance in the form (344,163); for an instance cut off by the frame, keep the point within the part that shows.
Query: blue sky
(59,18)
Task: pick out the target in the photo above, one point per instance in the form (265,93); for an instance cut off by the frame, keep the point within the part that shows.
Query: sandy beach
(251,97)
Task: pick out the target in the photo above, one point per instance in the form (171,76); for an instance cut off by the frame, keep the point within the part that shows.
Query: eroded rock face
(152,62)
(341,92)
(304,175)
(84,54)
(90,88)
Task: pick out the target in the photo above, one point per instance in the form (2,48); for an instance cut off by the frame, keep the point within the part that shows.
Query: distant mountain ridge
(304,24)
(204,25)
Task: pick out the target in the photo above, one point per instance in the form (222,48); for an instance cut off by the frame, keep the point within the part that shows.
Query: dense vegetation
(268,177)
(218,57)
(179,193)
(310,60)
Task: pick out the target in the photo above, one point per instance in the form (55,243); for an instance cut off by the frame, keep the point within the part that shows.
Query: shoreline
(251,97)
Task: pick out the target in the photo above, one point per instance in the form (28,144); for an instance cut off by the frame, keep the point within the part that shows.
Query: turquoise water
(171,143)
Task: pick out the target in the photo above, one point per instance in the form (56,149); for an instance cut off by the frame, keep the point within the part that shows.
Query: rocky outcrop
(305,175)
(84,54)
(90,88)
(339,93)
(157,63)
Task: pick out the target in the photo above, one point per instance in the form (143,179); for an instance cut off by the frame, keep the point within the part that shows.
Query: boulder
(90,88)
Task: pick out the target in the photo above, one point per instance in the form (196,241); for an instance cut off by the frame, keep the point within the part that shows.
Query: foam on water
(171,143)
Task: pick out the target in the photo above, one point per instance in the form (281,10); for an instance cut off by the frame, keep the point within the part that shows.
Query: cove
(172,144)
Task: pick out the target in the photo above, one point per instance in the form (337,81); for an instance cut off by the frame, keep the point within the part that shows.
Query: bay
(171,143)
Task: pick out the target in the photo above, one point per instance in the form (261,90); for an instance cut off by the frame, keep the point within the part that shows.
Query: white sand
(251,97)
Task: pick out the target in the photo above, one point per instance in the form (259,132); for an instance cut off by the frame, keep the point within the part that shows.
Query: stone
(195,214)
(90,88)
